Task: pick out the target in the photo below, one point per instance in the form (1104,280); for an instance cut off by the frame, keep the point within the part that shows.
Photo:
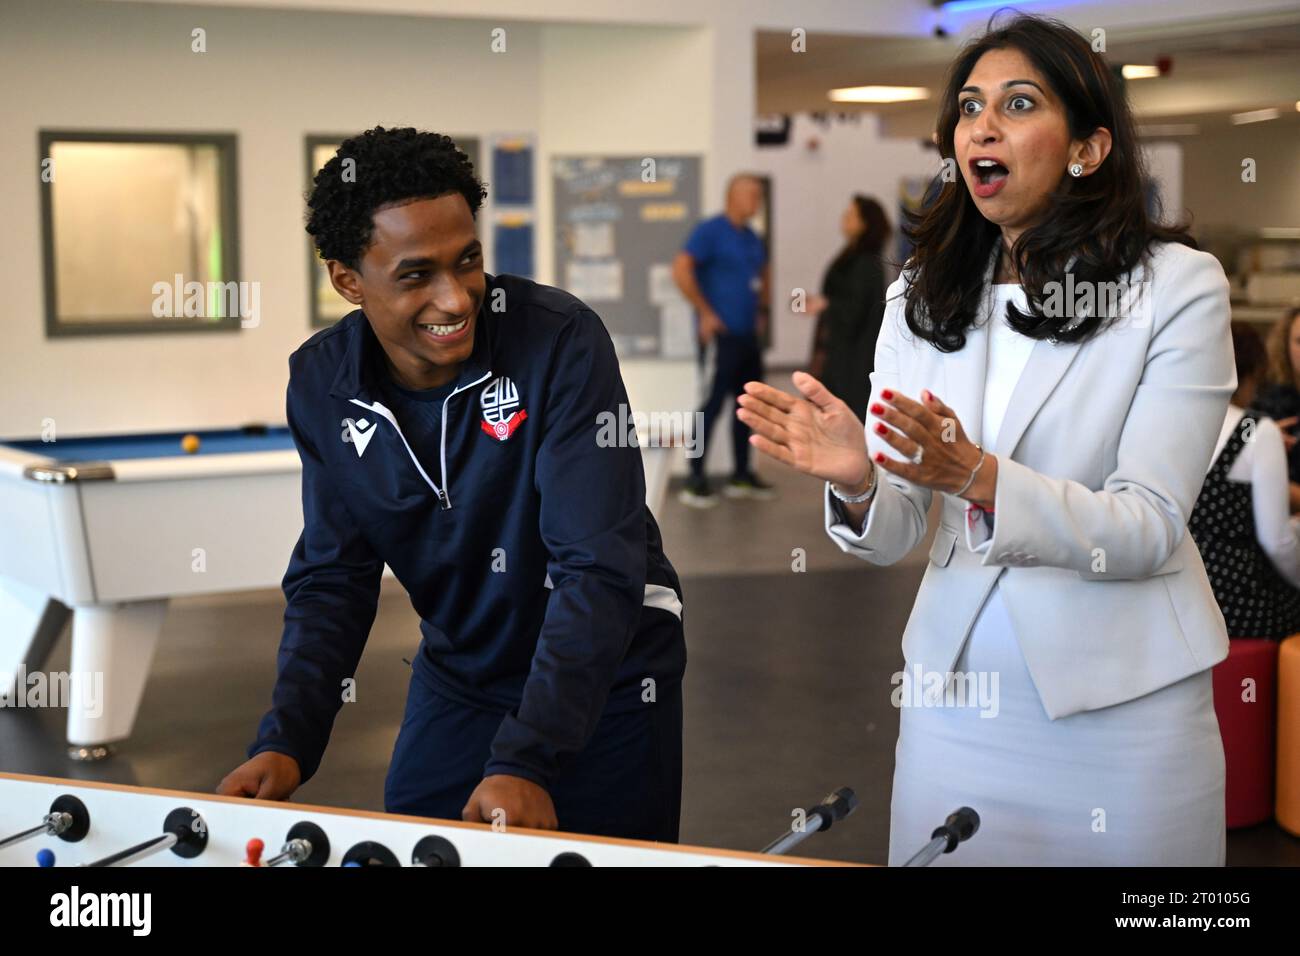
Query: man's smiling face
(420,284)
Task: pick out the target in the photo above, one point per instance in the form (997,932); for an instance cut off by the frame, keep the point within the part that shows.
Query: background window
(140,233)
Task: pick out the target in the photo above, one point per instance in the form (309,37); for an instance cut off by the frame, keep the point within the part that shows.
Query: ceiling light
(879,94)
(1255,116)
(1134,71)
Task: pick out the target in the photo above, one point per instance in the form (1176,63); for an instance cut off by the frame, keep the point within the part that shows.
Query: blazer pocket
(944,541)
(1175,563)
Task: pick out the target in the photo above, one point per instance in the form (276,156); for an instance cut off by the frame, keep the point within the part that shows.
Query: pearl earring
(1076,170)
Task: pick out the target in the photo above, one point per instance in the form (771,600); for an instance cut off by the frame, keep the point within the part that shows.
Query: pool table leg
(30,624)
(112,651)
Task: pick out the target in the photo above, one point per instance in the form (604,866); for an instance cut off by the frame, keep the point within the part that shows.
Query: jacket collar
(363,360)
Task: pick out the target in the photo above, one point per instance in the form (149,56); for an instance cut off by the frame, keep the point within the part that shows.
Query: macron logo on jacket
(360,433)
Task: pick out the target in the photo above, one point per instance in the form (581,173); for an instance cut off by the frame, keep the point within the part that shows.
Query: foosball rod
(184,833)
(68,820)
(961,825)
(834,807)
(306,845)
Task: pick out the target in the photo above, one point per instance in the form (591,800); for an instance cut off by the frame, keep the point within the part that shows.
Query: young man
(449,428)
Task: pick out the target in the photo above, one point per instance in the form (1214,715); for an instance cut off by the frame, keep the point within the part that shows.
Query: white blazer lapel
(1049,361)
(1046,365)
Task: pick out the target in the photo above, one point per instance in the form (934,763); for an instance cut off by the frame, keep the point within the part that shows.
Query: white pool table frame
(110,543)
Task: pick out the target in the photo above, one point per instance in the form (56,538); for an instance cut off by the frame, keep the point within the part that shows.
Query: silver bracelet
(857,499)
(971,479)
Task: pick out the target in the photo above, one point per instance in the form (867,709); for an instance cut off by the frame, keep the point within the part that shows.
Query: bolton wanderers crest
(501,411)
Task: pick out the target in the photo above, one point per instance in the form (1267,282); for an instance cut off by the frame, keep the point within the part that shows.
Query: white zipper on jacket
(446,499)
(379,409)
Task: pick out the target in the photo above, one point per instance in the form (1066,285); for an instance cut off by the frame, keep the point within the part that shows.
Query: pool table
(107,529)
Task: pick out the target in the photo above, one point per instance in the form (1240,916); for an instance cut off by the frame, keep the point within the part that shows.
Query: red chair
(1245,699)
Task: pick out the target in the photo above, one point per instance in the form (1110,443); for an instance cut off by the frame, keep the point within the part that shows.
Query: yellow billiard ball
(190,444)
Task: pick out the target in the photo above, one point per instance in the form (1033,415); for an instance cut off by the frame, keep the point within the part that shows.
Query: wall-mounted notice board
(619,221)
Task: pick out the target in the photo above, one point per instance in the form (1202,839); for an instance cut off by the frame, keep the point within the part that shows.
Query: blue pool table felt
(162,445)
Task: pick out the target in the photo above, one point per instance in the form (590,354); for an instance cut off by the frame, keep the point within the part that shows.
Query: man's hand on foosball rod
(523,802)
(267,776)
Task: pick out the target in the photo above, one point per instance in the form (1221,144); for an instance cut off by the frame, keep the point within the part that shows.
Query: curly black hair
(389,166)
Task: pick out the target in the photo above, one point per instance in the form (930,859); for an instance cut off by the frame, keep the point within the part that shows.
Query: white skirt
(1139,783)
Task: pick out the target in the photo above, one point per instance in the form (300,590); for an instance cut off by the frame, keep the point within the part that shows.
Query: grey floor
(786,693)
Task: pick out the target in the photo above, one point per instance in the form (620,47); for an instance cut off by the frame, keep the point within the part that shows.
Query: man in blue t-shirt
(723,271)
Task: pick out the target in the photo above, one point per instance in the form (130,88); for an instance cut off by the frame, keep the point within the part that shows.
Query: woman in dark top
(852,306)
(1279,397)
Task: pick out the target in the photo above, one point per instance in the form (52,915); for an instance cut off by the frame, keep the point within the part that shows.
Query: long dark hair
(872,239)
(1098,221)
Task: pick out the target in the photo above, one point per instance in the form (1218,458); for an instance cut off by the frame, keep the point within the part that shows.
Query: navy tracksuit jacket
(552,646)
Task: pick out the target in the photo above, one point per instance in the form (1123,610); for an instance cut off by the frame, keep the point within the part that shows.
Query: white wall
(272,77)
(811,188)
(1164,161)
(608,89)
(1215,192)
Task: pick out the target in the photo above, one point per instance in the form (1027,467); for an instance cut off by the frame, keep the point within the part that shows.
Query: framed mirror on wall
(140,233)
(327,306)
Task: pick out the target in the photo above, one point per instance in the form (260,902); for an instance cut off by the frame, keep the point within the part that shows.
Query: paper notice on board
(663,290)
(677,330)
(595,281)
(593,240)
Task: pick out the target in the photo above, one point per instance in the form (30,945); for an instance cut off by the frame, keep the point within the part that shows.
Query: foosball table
(47,821)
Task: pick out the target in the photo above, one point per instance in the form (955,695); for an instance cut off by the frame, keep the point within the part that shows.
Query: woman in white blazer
(1058,655)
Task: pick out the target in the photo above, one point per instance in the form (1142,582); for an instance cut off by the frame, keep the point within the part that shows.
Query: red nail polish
(880,456)
(877,408)
(880,429)
(887,395)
